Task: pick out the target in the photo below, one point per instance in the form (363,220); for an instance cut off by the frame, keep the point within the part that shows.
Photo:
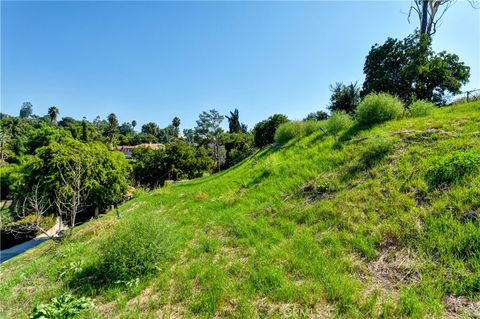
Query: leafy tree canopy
(26,110)
(344,97)
(264,131)
(410,69)
(316,116)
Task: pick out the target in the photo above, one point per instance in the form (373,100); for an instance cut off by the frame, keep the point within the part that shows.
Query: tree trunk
(423,21)
(96,212)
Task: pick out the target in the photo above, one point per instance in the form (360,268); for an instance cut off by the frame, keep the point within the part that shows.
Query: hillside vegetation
(379,221)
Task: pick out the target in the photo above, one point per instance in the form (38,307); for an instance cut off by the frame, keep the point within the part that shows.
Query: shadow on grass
(354,131)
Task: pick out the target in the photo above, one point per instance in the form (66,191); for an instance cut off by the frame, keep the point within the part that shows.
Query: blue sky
(151,61)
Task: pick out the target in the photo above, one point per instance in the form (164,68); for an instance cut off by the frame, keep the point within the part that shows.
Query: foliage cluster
(65,306)
(344,97)
(295,129)
(104,174)
(338,121)
(135,249)
(421,108)
(411,70)
(179,160)
(379,107)
(264,131)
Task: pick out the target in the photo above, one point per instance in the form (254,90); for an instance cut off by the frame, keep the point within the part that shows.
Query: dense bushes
(102,174)
(338,121)
(237,147)
(135,249)
(264,131)
(179,160)
(378,108)
(290,130)
(9,175)
(454,167)
(421,108)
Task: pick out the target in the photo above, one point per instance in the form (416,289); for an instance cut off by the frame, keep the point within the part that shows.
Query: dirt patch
(461,307)
(393,268)
(107,310)
(141,301)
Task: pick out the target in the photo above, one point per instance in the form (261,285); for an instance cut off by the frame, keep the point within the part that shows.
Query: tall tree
(112,129)
(316,116)
(430,12)
(176,122)
(208,131)
(84,130)
(126,129)
(53,112)
(151,128)
(189,135)
(26,110)
(134,123)
(410,69)
(168,134)
(264,131)
(234,141)
(344,97)
(234,125)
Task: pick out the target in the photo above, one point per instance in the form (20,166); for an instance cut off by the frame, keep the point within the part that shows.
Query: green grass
(347,227)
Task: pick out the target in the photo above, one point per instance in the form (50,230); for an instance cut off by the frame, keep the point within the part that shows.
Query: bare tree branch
(70,199)
(429,12)
(36,204)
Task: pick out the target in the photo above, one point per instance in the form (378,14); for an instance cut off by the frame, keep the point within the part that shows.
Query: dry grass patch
(200,196)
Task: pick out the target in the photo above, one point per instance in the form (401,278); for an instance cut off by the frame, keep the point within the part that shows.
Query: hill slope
(380,222)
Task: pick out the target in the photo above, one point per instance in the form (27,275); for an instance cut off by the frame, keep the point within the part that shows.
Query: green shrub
(287,131)
(421,108)
(264,131)
(9,176)
(453,167)
(375,150)
(310,127)
(65,306)
(378,108)
(290,130)
(136,248)
(338,121)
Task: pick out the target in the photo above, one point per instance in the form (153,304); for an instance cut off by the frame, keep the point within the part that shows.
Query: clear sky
(151,61)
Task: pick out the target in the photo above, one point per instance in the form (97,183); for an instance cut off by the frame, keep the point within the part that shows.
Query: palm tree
(53,112)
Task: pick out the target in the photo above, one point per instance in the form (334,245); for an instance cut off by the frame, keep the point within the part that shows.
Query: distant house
(128,149)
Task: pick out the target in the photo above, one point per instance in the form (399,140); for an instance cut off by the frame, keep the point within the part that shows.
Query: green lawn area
(352,226)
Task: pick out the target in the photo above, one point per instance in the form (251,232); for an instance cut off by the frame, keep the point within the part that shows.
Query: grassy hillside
(380,221)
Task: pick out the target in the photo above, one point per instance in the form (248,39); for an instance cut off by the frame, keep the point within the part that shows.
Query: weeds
(133,250)
(65,306)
